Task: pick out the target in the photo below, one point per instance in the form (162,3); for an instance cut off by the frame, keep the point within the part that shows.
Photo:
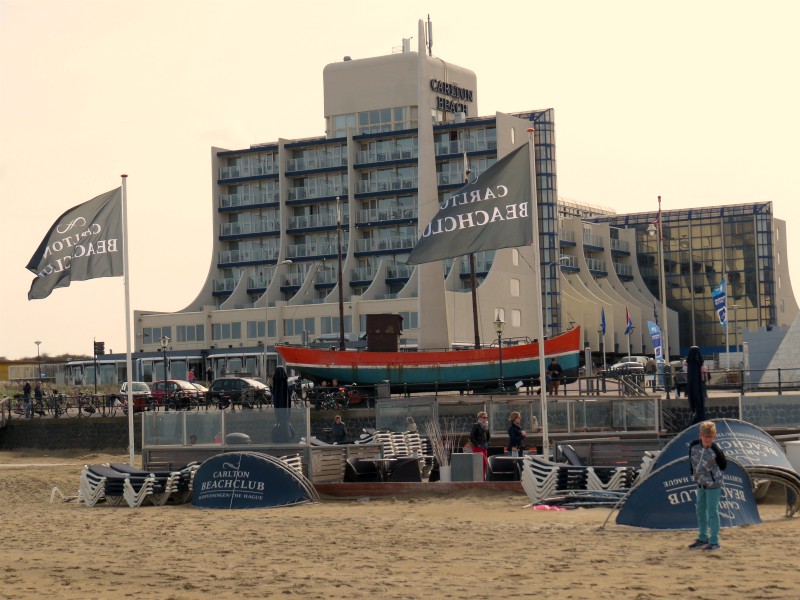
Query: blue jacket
(707,464)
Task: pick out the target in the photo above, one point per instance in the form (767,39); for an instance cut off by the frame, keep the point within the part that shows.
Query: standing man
(26,390)
(695,387)
(555,372)
(210,374)
(190,376)
(339,430)
(38,393)
(650,370)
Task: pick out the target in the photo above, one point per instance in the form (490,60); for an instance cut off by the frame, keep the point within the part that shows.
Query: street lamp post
(164,343)
(735,331)
(38,360)
(652,230)
(499,324)
(266,315)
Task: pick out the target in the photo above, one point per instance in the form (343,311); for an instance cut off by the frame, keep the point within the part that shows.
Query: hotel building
(401,130)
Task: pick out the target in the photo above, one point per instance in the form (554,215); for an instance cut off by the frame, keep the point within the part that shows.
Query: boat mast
(472,277)
(339,271)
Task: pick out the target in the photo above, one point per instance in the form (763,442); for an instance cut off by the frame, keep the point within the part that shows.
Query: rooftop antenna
(430,37)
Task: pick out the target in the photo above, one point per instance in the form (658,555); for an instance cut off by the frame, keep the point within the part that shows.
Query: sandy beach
(469,545)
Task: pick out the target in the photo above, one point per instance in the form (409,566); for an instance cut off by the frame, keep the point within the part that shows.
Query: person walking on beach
(479,438)
(706,462)
(516,435)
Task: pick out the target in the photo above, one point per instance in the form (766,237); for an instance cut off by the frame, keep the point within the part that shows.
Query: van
(640,359)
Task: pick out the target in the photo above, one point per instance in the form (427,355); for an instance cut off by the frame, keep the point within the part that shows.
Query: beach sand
(467,545)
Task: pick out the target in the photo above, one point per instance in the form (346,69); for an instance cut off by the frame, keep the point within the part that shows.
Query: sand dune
(468,545)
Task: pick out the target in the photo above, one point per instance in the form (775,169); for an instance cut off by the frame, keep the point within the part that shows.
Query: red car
(175,391)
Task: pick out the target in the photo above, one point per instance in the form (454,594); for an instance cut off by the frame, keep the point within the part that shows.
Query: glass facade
(701,246)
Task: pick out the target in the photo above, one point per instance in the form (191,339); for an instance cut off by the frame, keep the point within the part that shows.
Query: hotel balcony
(228,257)
(368,187)
(317,191)
(398,244)
(249,199)
(253,169)
(311,164)
(398,153)
(381,215)
(319,249)
(326,219)
(249,228)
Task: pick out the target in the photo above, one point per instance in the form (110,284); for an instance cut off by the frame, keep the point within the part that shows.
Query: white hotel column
(432,308)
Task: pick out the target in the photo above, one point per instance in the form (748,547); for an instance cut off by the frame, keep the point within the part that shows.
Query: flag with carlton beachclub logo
(492,212)
(84,243)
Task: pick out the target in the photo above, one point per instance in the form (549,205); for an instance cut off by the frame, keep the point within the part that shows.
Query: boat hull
(434,369)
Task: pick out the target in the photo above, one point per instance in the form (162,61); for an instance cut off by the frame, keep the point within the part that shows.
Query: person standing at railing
(695,387)
(479,438)
(650,370)
(26,390)
(516,435)
(555,371)
(38,393)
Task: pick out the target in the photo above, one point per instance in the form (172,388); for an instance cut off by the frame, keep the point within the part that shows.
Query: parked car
(175,391)
(238,390)
(628,366)
(203,389)
(140,392)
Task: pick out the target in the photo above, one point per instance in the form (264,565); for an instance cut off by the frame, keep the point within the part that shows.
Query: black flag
(84,243)
(492,212)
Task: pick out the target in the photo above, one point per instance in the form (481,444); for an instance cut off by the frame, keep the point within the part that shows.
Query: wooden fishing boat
(448,369)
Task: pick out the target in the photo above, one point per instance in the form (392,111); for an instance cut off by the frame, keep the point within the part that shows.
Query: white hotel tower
(398,129)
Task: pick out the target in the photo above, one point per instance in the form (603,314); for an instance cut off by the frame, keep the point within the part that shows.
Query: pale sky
(695,101)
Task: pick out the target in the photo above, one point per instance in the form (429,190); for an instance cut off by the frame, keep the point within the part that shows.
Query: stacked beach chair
(402,445)
(119,483)
(542,479)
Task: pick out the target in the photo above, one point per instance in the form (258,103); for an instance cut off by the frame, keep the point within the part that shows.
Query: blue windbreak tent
(249,480)
(739,440)
(666,498)
(757,451)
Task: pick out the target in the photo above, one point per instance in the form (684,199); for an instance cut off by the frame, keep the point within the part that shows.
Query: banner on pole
(655,335)
(718,295)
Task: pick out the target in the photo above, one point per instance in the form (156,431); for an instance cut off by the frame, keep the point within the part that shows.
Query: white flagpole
(604,351)
(126,278)
(727,329)
(537,293)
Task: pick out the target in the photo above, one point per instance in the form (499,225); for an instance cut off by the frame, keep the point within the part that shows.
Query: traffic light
(99,348)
